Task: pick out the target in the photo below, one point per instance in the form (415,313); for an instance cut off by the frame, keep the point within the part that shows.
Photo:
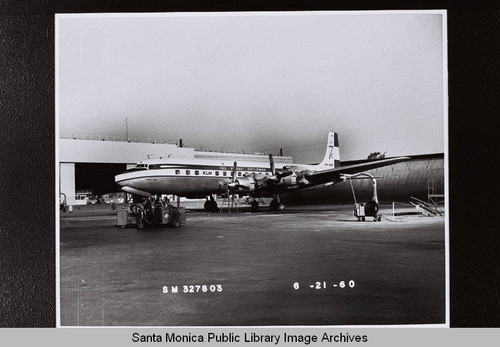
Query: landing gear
(211,205)
(281,206)
(273,206)
(276,204)
(139,223)
(254,206)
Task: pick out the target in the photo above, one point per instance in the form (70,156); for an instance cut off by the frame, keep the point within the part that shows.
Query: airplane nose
(120,180)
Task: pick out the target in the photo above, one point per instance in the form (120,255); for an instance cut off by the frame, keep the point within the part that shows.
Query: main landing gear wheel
(254,205)
(176,223)
(210,206)
(140,223)
(273,206)
(281,206)
(276,206)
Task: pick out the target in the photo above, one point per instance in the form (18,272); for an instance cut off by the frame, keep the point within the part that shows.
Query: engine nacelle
(246,184)
(301,178)
(290,180)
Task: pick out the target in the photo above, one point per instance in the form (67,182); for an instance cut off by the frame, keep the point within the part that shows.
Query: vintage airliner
(198,178)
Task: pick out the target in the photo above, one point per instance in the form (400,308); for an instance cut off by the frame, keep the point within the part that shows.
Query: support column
(67,181)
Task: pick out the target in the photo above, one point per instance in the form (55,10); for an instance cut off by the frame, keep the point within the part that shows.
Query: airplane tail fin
(332,154)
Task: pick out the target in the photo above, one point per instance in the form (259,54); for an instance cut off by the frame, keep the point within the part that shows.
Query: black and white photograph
(252,169)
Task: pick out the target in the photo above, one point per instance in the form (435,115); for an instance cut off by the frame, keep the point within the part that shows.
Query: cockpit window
(138,167)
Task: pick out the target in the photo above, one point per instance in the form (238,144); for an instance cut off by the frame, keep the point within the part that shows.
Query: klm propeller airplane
(197,178)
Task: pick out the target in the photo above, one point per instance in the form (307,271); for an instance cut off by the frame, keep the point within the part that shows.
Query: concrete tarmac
(311,265)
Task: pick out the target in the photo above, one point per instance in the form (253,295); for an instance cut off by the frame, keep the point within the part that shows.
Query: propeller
(271,161)
(232,185)
(276,177)
(233,178)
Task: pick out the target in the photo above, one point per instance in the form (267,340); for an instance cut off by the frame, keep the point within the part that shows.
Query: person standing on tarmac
(166,201)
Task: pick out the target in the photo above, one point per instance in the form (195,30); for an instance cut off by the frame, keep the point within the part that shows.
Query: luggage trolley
(146,214)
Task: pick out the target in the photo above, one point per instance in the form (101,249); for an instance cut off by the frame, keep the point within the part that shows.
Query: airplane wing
(334,175)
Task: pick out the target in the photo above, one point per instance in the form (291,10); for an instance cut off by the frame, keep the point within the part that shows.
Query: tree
(376,155)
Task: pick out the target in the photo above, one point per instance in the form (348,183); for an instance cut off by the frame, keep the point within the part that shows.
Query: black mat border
(27,165)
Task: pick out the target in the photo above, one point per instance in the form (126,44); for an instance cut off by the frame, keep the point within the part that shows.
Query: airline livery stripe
(206,167)
(223,178)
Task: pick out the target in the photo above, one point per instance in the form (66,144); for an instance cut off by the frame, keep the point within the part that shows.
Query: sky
(257,82)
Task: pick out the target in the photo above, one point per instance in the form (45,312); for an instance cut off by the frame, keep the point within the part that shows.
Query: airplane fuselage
(186,177)
(194,178)
(198,178)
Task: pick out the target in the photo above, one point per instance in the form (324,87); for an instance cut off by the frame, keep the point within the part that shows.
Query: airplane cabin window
(196,172)
(188,172)
(216,173)
(177,172)
(224,173)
